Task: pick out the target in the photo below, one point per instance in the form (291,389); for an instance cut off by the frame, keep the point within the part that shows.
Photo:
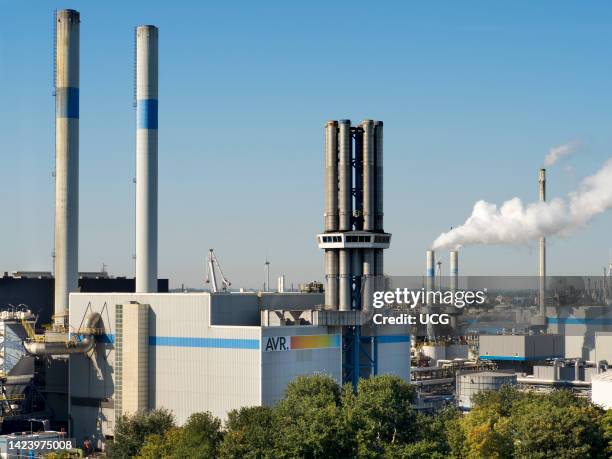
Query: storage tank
(470,383)
(601,389)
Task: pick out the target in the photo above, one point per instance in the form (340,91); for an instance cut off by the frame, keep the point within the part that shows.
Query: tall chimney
(146,158)
(345,203)
(354,238)
(430,262)
(454,270)
(67,25)
(331,212)
(542,279)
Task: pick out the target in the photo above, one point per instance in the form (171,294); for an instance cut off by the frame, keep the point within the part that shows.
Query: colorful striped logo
(293,343)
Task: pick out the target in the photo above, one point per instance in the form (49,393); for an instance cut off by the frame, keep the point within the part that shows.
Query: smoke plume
(516,223)
(556,153)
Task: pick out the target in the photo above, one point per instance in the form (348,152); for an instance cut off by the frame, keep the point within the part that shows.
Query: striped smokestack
(146,158)
(66,160)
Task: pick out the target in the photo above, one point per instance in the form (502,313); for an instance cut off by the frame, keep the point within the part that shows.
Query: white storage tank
(435,352)
(472,382)
(601,389)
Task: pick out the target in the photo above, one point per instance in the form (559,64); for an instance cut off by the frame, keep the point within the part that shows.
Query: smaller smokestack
(281,283)
(542,287)
(454,270)
(430,271)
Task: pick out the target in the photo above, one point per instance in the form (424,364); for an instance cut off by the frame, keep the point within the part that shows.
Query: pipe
(345,175)
(577,370)
(542,287)
(357,271)
(368,280)
(146,157)
(66,161)
(378,188)
(331,276)
(331,176)
(379,261)
(358,185)
(368,176)
(345,295)
(66,347)
(550,382)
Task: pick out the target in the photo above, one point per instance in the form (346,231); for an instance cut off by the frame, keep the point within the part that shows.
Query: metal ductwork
(146,157)
(67,26)
(354,238)
(84,344)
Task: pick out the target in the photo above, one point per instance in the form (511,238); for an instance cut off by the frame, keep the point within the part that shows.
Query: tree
(381,413)
(199,438)
(422,449)
(131,431)
(249,434)
(547,430)
(309,421)
(434,429)
(509,423)
(606,425)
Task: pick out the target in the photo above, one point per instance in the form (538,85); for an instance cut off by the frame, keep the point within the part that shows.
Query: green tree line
(319,419)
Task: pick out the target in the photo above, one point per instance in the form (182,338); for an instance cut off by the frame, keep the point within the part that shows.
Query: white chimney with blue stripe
(146,158)
(66,160)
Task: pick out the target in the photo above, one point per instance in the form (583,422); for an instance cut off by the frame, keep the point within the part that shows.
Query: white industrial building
(580,326)
(191,352)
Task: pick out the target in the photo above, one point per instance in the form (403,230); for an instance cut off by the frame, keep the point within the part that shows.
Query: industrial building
(111,353)
(216,352)
(36,290)
(117,346)
(194,352)
(581,326)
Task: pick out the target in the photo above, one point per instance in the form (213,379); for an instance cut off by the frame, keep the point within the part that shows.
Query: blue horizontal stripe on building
(388,338)
(67,103)
(579,321)
(219,343)
(146,114)
(519,359)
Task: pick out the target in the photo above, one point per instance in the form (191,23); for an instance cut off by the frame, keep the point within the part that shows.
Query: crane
(211,276)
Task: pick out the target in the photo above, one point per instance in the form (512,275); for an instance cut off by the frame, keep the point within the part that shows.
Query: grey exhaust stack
(146,158)
(67,26)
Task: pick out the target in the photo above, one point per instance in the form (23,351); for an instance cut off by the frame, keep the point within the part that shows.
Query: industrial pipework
(73,345)
(66,160)
(354,238)
(146,158)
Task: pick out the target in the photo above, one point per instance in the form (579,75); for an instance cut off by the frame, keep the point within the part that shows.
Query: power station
(140,347)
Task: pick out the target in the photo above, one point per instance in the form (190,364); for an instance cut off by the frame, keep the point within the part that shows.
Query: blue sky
(472,96)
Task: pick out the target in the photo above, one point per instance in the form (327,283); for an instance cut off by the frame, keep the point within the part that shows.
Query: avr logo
(277,343)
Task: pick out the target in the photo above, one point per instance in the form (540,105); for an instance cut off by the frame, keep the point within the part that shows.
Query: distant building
(36,289)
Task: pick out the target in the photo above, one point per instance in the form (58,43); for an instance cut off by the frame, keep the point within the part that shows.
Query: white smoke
(516,223)
(556,153)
